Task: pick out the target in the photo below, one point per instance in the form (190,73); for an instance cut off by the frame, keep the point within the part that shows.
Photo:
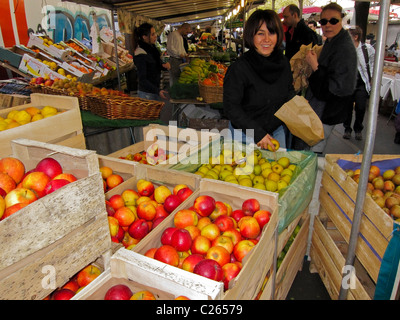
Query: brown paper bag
(301,120)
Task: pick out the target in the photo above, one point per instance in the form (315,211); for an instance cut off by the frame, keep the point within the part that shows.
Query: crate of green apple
(60,222)
(222,232)
(138,205)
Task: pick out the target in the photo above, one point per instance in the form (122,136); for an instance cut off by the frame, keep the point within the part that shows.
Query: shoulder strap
(364,50)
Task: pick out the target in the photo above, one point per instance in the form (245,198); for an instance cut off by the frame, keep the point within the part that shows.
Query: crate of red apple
(223,233)
(55,196)
(165,145)
(132,276)
(138,205)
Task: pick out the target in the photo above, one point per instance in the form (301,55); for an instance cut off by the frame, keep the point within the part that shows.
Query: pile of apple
(252,170)
(19,188)
(123,292)
(154,155)
(133,214)
(211,239)
(383,187)
(77,283)
(110,178)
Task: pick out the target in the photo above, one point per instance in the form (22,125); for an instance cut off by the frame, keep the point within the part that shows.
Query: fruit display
(250,170)
(16,118)
(200,69)
(132,214)
(383,187)
(75,284)
(211,238)
(19,188)
(153,156)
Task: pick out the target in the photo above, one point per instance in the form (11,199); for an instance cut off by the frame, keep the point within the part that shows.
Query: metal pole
(369,144)
(113,13)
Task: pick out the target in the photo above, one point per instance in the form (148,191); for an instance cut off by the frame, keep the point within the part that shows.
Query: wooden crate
(259,261)
(337,199)
(63,129)
(178,142)
(11,100)
(65,230)
(142,273)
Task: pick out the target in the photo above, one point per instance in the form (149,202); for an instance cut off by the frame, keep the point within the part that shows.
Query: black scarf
(267,68)
(152,50)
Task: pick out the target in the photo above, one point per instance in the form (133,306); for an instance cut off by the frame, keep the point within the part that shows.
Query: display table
(390,84)
(119,133)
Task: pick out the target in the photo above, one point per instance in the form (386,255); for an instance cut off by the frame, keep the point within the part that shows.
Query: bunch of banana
(197,70)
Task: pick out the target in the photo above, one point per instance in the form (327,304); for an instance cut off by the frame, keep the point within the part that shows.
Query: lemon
(3,125)
(13,124)
(22,117)
(32,110)
(61,71)
(37,117)
(48,110)
(53,65)
(12,114)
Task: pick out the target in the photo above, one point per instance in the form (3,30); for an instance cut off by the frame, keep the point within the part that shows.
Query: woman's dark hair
(254,23)
(143,30)
(356,31)
(333,6)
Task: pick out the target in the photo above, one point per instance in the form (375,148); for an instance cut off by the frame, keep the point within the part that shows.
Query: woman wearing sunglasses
(334,75)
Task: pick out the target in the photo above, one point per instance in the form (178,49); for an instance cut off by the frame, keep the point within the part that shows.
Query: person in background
(298,33)
(334,73)
(176,51)
(147,59)
(312,24)
(207,34)
(258,83)
(365,67)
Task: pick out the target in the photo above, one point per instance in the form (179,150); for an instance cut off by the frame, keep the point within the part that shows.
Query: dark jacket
(147,60)
(255,87)
(335,79)
(302,34)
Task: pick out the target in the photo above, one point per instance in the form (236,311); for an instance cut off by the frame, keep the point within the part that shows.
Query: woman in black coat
(333,80)
(259,82)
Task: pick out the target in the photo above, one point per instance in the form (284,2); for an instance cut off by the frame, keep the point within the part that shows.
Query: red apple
(113,225)
(200,245)
(185,217)
(211,231)
(120,234)
(20,195)
(262,217)
(172,202)
(14,208)
(114,180)
(190,262)
(168,255)
(6,182)
(250,206)
(71,285)
(181,240)
(39,80)
(128,241)
(37,182)
(146,210)
(237,214)
(242,248)
(139,229)
(210,269)
(116,201)
(204,205)
(179,187)
(234,234)
(143,295)
(220,209)
(184,193)
(194,231)
(87,275)
(118,292)
(157,221)
(13,167)
(167,234)
(231,270)
(219,254)
(54,185)
(224,223)
(249,227)
(160,212)
(125,216)
(150,253)
(110,210)
(50,167)
(2,192)
(66,176)
(130,197)
(145,188)
(62,294)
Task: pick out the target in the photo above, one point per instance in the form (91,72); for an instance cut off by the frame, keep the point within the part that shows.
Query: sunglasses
(332,21)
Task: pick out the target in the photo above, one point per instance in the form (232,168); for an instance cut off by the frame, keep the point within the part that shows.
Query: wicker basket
(211,94)
(133,108)
(83,101)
